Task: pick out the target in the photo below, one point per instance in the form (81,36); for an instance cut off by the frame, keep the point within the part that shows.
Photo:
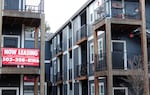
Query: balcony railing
(34,8)
(120,61)
(118,9)
(59,76)
(59,48)
(81,70)
(101,62)
(81,33)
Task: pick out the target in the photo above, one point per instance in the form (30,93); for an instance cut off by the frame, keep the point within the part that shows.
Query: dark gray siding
(54,90)
(47,72)
(65,89)
(76,88)
(75,61)
(65,67)
(11,4)
(148,14)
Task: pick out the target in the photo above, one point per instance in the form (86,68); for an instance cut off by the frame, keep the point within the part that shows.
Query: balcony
(21,12)
(82,72)
(59,50)
(81,35)
(59,77)
(122,62)
(118,9)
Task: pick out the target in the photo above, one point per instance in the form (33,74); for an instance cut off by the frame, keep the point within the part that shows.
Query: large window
(91,53)
(11,41)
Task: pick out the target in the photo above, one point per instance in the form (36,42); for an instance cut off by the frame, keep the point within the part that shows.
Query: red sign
(20,56)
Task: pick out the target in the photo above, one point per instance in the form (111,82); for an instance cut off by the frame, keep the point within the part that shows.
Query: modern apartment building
(21,61)
(99,47)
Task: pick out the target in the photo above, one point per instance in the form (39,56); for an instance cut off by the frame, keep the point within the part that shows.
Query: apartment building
(21,61)
(91,53)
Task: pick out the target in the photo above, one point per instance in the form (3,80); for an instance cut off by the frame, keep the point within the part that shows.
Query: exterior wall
(133,47)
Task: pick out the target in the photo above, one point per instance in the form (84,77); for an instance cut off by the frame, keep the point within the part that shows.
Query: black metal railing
(59,48)
(59,76)
(101,62)
(81,33)
(81,70)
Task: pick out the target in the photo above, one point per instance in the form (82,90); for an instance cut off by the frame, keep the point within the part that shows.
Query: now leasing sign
(20,56)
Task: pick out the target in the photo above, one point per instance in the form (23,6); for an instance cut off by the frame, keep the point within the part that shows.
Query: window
(92,89)
(100,49)
(101,88)
(11,41)
(91,53)
(120,91)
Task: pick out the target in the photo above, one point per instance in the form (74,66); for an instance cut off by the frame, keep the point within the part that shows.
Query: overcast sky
(57,12)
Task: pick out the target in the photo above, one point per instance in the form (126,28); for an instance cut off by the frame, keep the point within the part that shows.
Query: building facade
(20,60)
(96,50)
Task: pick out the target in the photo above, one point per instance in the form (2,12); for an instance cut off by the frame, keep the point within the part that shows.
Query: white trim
(47,61)
(21,84)
(74,47)
(91,52)
(101,84)
(53,59)
(65,52)
(9,88)
(91,78)
(20,5)
(12,36)
(92,88)
(102,48)
(23,37)
(125,51)
(121,88)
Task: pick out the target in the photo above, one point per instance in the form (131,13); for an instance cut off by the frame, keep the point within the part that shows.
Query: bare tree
(136,79)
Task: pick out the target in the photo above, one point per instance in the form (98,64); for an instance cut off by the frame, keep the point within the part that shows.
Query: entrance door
(119,56)
(9,91)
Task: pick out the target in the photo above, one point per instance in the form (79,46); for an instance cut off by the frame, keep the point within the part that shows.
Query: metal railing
(25,8)
(120,60)
(82,70)
(59,76)
(118,9)
(81,33)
